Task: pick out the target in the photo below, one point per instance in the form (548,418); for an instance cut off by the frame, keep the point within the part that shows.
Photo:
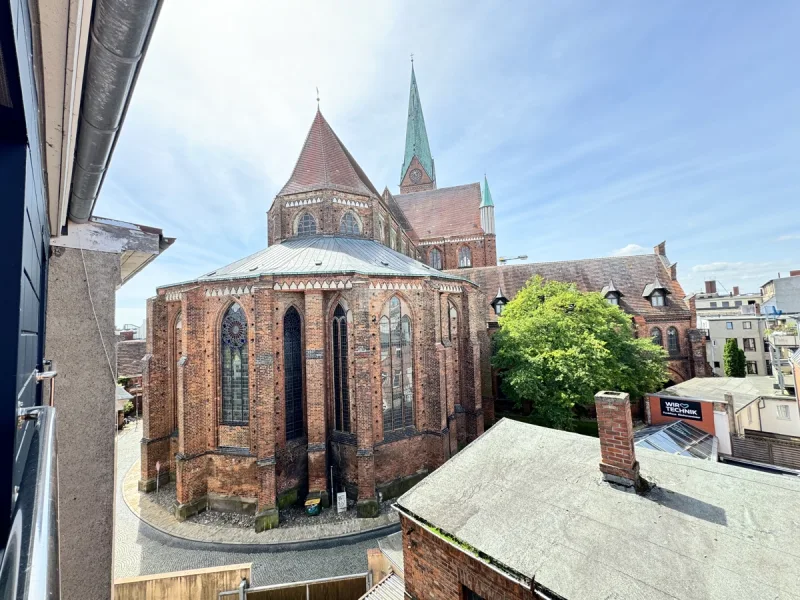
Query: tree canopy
(734,359)
(558,347)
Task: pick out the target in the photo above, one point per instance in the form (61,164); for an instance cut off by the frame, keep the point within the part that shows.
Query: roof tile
(444,212)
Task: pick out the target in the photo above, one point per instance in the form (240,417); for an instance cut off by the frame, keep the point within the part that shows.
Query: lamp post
(503,260)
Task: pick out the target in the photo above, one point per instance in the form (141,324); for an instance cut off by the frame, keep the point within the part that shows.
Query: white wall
(772,424)
(722,432)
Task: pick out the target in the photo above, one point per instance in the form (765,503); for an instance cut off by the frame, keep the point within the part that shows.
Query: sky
(603,128)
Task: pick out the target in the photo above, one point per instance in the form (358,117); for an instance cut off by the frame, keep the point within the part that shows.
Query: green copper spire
(416,135)
(487,195)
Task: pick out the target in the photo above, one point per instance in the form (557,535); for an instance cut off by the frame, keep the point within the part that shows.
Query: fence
(199,584)
(768,448)
(348,587)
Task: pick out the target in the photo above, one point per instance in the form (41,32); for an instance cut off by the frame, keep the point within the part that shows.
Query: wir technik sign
(682,409)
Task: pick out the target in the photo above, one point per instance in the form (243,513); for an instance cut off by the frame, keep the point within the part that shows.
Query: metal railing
(314,588)
(29,567)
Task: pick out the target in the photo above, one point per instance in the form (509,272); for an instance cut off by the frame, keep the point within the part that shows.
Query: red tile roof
(444,212)
(631,274)
(325,163)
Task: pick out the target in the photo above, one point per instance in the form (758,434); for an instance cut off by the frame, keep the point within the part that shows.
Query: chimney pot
(711,287)
(618,458)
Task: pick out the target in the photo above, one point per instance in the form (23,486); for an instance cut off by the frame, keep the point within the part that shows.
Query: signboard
(682,409)
(341,502)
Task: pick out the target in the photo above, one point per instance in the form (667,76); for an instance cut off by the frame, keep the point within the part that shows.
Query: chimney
(794,273)
(126,335)
(673,271)
(711,287)
(618,457)
(661,249)
(736,290)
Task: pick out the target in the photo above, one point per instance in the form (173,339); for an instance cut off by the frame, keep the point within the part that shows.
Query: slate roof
(744,389)
(416,134)
(533,500)
(444,212)
(631,274)
(325,163)
(321,255)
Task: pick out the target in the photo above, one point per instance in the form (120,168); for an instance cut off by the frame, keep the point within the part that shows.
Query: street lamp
(503,260)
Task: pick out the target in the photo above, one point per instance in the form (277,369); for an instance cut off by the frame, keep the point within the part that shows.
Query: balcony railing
(29,567)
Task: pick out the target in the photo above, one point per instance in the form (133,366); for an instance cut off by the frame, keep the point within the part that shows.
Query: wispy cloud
(789,236)
(630,250)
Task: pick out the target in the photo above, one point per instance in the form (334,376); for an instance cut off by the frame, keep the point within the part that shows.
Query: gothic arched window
(349,224)
(341,378)
(435,259)
(655,333)
(293,373)
(178,351)
(381,231)
(392,239)
(452,323)
(397,367)
(673,345)
(235,373)
(307,225)
(464,257)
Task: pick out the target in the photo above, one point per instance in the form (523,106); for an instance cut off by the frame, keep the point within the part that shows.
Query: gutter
(120,35)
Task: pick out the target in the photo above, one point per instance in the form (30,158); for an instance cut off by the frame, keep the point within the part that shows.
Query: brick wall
(129,357)
(484,252)
(436,570)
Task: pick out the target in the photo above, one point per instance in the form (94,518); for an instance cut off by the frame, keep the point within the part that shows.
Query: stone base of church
(233,504)
(267,519)
(149,485)
(398,487)
(189,509)
(368,509)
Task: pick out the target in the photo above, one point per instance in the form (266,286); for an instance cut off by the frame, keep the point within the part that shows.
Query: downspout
(121,31)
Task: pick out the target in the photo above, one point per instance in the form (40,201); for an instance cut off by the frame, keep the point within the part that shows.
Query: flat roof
(532,501)
(713,389)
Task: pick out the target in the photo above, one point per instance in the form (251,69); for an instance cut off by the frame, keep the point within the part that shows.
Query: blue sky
(604,128)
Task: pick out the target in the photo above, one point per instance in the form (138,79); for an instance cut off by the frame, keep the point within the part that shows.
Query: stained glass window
(464,257)
(435,259)
(349,224)
(673,345)
(235,378)
(293,373)
(397,367)
(341,379)
(655,333)
(307,225)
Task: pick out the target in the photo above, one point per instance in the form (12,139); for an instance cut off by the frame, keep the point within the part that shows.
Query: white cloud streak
(630,250)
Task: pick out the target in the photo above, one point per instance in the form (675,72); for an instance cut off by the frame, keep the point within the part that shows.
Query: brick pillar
(156,412)
(618,464)
(367,395)
(315,396)
(263,412)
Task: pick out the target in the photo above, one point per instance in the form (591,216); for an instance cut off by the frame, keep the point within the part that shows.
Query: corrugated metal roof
(390,587)
(323,255)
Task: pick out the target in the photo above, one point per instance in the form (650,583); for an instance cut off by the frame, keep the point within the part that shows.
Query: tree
(558,347)
(734,359)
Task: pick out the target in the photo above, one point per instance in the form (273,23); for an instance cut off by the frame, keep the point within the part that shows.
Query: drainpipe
(121,31)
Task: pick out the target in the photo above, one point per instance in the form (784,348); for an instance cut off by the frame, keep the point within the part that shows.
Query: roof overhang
(136,245)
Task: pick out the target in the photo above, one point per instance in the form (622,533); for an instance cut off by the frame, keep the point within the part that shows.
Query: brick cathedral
(352,354)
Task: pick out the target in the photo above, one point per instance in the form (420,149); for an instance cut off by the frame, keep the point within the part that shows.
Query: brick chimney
(794,273)
(661,249)
(126,335)
(711,287)
(618,457)
(736,290)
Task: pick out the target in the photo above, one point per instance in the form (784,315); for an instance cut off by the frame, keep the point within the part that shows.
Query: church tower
(419,172)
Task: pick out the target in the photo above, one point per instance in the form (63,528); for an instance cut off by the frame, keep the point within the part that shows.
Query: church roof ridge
(416,134)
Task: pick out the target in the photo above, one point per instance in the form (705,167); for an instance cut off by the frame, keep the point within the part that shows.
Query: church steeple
(418,172)
(487,208)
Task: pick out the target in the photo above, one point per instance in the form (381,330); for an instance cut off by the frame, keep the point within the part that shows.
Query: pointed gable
(416,134)
(325,163)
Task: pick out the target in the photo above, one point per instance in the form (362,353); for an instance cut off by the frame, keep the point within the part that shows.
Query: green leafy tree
(734,359)
(558,347)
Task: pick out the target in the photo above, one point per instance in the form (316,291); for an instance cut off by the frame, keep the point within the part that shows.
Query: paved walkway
(143,550)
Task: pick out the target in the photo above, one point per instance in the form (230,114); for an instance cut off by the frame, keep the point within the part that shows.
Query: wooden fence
(350,587)
(768,448)
(199,584)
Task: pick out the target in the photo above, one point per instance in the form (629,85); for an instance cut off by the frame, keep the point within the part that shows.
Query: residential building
(781,343)
(782,295)
(713,304)
(749,331)
(528,512)
(67,73)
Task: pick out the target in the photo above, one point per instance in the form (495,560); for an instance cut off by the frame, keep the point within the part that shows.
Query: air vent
(384,263)
(318,263)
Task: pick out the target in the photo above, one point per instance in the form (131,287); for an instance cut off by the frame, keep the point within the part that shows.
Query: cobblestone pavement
(142,550)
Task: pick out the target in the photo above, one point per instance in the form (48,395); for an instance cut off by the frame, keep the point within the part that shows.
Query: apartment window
(725,304)
(713,305)
(752,367)
(749,344)
(783,412)
(728,324)
(737,303)
(716,364)
(747,324)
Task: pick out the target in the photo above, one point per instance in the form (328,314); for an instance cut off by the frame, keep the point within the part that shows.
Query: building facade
(782,295)
(749,331)
(714,304)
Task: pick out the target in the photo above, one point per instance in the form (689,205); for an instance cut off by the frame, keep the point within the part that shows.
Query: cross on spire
(317,97)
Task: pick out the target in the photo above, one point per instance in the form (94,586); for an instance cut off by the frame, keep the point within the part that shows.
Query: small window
(464,257)
(728,324)
(655,333)
(725,304)
(752,367)
(783,412)
(349,225)
(716,364)
(749,344)
(737,303)
(713,305)
(612,299)
(657,298)
(435,259)
(747,325)
(307,225)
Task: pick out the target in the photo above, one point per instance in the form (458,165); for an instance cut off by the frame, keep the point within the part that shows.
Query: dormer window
(657,298)
(499,302)
(656,293)
(613,299)
(611,293)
